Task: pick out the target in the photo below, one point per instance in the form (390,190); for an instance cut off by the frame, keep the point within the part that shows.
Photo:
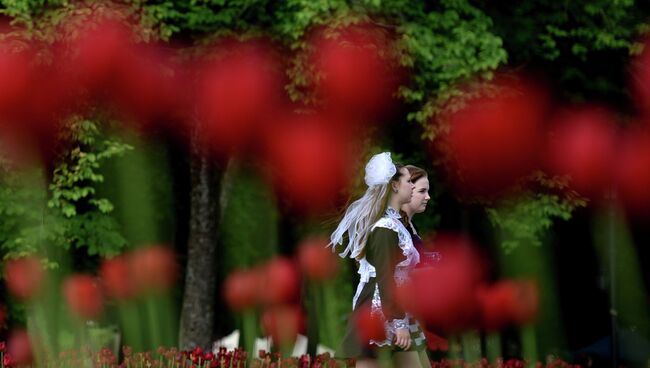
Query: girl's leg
(367,363)
(424,358)
(408,359)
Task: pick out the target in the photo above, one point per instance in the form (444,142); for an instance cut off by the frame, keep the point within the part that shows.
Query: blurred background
(170,171)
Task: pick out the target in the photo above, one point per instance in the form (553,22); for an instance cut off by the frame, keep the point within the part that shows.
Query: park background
(116,187)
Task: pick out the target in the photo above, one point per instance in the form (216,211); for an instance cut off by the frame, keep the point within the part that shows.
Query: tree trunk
(199,299)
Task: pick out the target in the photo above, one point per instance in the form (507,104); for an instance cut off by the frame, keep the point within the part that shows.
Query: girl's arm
(384,253)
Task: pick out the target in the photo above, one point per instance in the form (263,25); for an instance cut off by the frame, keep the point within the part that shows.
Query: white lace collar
(392,213)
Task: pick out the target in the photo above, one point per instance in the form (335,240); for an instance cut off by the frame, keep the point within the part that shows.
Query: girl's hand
(403,338)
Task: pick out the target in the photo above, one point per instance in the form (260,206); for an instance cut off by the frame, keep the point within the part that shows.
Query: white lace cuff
(400,323)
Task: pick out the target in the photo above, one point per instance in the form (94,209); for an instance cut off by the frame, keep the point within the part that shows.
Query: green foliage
(200,18)
(582,46)
(522,219)
(554,30)
(444,47)
(85,217)
(50,220)
(139,185)
(22,212)
(249,228)
(66,213)
(27,12)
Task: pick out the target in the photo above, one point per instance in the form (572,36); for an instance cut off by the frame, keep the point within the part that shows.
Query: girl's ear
(394,185)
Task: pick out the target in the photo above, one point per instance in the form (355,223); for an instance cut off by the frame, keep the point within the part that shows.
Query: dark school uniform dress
(390,258)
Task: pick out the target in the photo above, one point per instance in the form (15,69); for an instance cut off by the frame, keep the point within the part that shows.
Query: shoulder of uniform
(386,223)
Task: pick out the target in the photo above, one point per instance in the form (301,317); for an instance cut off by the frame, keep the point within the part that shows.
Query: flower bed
(198,358)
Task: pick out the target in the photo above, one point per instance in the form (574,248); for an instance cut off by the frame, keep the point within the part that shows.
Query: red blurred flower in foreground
(317,261)
(280,281)
(443,297)
(147,89)
(495,140)
(24,277)
(153,268)
(355,75)
(508,303)
(116,277)
(83,295)
(241,289)
(309,162)
(435,342)
(283,323)
(15,77)
(583,146)
(52,98)
(369,326)
(27,119)
(237,93)
(19,348)
(633,172)
(96,57)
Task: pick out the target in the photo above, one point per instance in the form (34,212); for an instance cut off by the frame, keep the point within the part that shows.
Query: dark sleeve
(384,253)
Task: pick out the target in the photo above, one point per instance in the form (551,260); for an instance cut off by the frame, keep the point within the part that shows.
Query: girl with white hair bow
(378,240)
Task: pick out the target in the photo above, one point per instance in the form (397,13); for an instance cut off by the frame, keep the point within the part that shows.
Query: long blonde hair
(361,215)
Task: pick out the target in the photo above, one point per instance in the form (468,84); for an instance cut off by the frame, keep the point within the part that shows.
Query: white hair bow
(379,170)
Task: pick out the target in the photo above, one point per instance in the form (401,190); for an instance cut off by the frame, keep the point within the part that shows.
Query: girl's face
(403,189)
(420,196)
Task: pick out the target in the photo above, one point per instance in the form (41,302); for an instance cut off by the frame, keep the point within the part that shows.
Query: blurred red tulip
(280,281)
(527,306)
(443,297)
(153,268)
(355,74)
(317,260)
(21,134)
(24,277)
(52,96)
(633,172)
(116,278)
(147,90)
(241,289)
(283,323)
(309,162)
(19,348)
(83,296)
(435,342)
(370,326)
(30,126)
(583,146)
(496,305)
(236,95)
(508,303)
(494,140)
(15,77)
(100,51)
